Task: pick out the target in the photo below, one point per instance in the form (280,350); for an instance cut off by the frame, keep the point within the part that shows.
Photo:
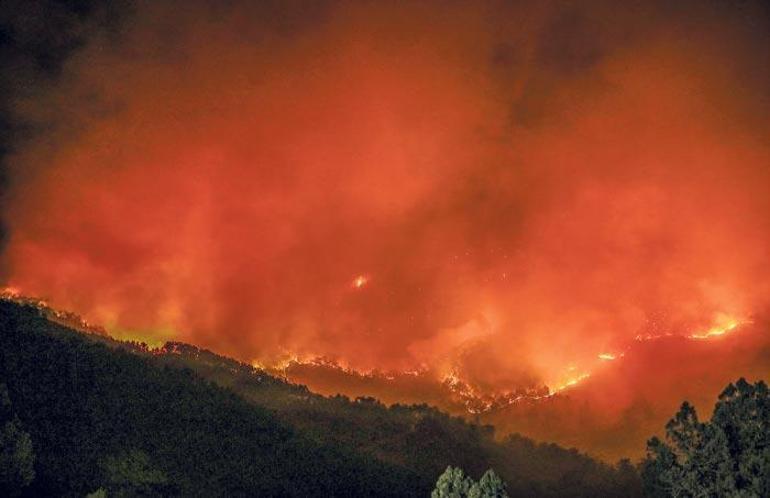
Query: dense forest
(116,418)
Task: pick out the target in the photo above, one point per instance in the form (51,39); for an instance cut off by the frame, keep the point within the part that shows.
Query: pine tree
(728,456)
(489,486)
(453,483)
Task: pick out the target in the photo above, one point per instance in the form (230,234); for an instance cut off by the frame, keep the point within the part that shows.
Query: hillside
(610,412)
(417,436)
(210,426)
(83,404)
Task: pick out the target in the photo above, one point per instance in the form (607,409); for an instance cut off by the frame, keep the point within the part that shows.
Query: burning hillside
(492,203)
(608,407)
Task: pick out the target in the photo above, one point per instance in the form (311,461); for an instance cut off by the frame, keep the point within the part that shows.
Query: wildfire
(259,365)
(360,281)
(573,381)
(66,318)
(724,325)
(285,363)
(10,292)
(475,400)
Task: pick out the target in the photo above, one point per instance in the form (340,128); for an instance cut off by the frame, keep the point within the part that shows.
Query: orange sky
(489,189)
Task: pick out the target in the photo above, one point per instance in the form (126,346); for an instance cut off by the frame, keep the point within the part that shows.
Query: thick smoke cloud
(492,189)
(35,37)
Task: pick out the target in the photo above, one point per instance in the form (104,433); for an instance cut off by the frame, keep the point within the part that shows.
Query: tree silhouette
(16,455)
(728,456)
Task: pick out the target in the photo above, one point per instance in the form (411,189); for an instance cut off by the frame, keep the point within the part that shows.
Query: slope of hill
(84,404)
(609,412)
(212,426)
(616,410)
(419,437)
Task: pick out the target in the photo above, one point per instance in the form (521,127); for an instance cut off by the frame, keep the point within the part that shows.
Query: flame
(725,323)
(10,292)
(476,401)
(259,365)
(360,281)
(572,382)
(66,318)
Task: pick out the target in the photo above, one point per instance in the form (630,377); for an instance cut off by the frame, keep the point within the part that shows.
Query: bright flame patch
(360,282)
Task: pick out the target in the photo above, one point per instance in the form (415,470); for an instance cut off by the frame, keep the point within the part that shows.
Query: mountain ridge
(407,444)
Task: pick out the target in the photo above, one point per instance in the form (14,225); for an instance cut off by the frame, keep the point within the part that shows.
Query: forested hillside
(417,436)
(115,416)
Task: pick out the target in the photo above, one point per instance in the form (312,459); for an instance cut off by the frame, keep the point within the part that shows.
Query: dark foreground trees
(727,456)
(103,421)
(16,455)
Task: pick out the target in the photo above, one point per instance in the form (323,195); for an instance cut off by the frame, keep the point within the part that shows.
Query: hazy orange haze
(492,190)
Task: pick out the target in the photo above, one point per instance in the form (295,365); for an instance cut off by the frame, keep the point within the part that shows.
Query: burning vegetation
(499,204)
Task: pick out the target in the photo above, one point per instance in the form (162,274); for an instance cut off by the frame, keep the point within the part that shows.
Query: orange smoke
(507,193)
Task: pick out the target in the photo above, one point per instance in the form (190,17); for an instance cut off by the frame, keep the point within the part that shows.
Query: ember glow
(724,325)
(508,198)
(360,281)
(573,381)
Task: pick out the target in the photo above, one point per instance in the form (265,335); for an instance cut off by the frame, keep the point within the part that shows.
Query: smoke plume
(496,190)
